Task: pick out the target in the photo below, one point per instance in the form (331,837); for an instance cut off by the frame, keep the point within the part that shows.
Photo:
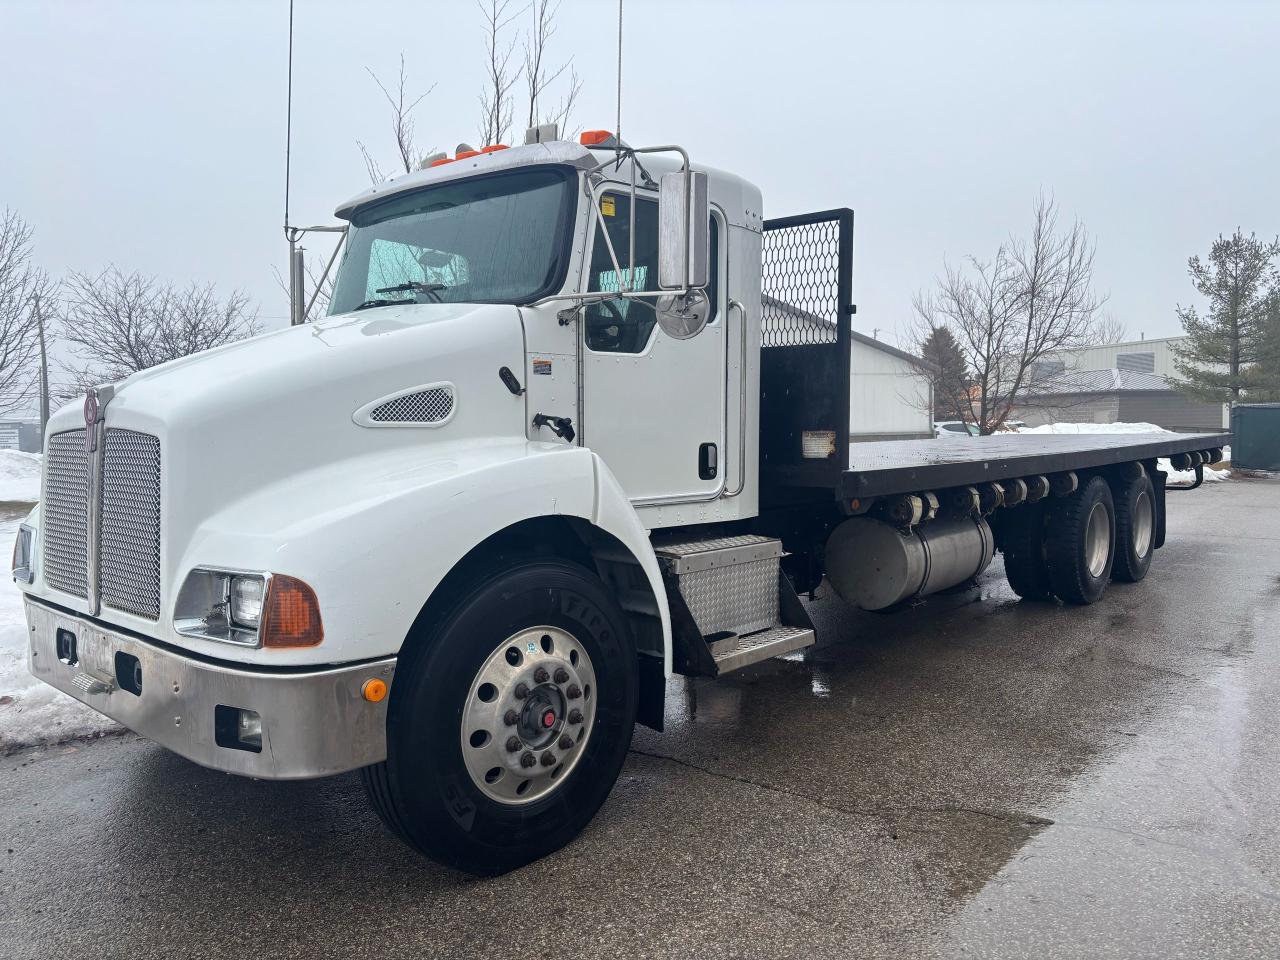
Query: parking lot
(977,777)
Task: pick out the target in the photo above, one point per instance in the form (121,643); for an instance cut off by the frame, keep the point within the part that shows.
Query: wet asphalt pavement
(979,777)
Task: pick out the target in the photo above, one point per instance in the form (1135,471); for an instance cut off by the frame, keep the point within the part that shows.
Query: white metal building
(890,393)
(1137,356)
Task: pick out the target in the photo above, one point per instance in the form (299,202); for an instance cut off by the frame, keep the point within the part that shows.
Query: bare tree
(1009,313)
(540,77)
(497,106)
(409,156)
(21,286)
(118,323)
(1111,329)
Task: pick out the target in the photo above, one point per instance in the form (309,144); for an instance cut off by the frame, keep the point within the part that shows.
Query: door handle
(562,427)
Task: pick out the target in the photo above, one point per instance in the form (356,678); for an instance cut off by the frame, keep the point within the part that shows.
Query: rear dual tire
(1135,529)
(1022,543)
(1080,541)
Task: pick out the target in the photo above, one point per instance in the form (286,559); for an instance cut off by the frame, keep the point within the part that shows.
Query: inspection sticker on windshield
(541,368)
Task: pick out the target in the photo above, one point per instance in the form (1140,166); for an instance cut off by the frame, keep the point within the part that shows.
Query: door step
(774,642)
(731,604)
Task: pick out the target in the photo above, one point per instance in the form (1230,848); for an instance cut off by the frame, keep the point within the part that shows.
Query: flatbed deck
(886,467)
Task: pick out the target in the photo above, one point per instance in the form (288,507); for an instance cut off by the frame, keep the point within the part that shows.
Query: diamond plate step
(755,647)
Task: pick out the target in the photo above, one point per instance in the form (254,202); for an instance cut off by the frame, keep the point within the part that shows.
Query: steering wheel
(606,334)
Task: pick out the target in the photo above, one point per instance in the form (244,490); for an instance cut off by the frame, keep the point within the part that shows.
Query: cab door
(653,406)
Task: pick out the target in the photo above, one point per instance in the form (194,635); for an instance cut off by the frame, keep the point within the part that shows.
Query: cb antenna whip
(288,121)
(617,133)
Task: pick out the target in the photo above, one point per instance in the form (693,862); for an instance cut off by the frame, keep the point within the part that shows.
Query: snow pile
(19,477)
(1175,476)
(32,712)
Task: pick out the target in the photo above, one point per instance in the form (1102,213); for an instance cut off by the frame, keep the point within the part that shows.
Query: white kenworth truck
(577,419)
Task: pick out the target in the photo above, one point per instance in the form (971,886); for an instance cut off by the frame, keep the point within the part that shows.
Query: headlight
(24,570)
(251,609)
(246,601)
(221,605)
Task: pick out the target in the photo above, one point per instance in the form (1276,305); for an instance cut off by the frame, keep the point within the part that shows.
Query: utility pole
(44,369)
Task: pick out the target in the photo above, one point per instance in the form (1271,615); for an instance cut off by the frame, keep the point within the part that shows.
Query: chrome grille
(65,514)
(129,546)
(424,406)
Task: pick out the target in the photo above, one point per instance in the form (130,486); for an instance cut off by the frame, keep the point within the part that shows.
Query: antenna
(288,121)
(617,133)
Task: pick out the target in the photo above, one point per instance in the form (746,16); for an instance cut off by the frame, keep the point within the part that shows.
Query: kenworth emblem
(91,419)
(95,405)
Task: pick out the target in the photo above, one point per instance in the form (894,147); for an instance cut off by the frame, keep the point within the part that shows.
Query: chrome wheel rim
(1097,540)
(1143,524)
(528,715)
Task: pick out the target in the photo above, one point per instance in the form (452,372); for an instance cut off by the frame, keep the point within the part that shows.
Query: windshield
(496,239)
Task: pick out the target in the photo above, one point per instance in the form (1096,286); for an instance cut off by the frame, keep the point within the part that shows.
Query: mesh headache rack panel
(806,303)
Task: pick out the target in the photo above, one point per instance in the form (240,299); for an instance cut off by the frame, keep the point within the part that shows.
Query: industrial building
(1118,396)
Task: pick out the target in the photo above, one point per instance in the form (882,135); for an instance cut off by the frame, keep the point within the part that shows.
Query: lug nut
(510,718)
(566,742)
(527,759)
(575,716)
(522,691)
(573,693)
(540,675)
(548,759)
(513,744)
(562,675)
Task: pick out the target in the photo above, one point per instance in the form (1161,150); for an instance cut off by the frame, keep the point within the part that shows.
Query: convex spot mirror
(682,316)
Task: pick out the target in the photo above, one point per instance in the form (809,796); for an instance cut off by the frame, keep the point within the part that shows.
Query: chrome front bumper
(314,723)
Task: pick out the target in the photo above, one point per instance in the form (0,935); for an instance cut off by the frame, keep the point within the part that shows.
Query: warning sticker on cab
(606,207)
(541,368)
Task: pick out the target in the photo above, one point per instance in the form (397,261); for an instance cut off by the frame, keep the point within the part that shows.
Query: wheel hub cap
(1097,540)
(528,715)
(1143,525)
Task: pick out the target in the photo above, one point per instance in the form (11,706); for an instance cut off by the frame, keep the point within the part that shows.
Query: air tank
(873,565)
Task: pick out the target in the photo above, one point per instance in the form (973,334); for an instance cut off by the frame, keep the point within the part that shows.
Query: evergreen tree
(1222,347)
(1264,378)
(949,375)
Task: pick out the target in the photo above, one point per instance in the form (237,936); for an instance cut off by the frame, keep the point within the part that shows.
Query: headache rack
(806,291)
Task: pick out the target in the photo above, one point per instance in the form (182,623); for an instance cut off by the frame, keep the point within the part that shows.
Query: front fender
(375,535)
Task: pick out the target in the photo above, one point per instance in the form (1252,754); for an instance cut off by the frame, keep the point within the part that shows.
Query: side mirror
(684,231)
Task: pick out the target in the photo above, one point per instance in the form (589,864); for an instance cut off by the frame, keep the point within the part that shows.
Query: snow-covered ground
(19,477)
(1175,476)
(30,712)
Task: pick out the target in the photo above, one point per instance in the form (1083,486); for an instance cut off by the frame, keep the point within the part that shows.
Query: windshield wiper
(430,289)
(382,303)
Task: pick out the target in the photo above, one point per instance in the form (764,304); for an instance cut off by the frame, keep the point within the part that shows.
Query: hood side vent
(430,405)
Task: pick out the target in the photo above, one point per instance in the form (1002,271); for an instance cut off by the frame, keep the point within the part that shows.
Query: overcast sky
(151,134)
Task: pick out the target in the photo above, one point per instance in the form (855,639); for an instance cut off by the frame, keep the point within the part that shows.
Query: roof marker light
(592,138)
(494,148)
(441,161)
(466,154)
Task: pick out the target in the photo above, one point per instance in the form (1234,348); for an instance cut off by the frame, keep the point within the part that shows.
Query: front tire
(510,721)
(1080,543)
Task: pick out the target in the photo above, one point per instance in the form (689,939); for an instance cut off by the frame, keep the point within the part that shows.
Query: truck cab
(577,419)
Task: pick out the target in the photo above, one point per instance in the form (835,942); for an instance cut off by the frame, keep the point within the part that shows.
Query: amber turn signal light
(374,690)
(291,615)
